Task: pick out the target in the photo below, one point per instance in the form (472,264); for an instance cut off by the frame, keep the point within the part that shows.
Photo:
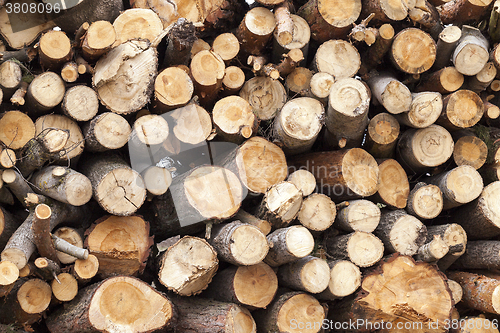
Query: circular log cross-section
(45,92)
(425,201)
(309,274)
(413,51)
(361,248)
(394,96)
(359,215)
(470,150)
(137,23)
(304,180)
(288,245)
(461,109)
(85,269)
(345,279)
(425,109)
(16,129)
(393,186)
(444,81)
(65,288)
(338,58)
(234,120)
(105,132)
(54,49)
(317,212)
(207,70)
(80,103)
(383,132)
(98,40)
(256,30)
(265,95)
(9,273)
(192,124)
(233,80)
(280,204)
(173,88)
(226,45)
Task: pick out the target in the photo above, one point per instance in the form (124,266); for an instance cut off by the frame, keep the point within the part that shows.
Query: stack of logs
(280,166)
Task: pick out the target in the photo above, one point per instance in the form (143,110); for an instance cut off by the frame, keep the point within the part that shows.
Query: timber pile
(285,166)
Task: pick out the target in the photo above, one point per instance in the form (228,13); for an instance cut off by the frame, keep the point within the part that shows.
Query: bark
(446,42)
(265,95)
(40,229)
(338,58)
(471,53)
(374,56)
(10,77)
(462,11)
(80,103)
(280,205)
(288,244)
(69,72)
(8,225)
(245,217)
(444,81)
(456,239)
(83,66)
(479,291)
(284,24)
(47,269)
(317,212)
(461,109)
(16,129)
(309,274)
(432,251)
(481,254)
(256,30)
(6,196)
(425,201)
(69,245)
(362,248)
(207,70)
(106,131)
(413,51)
(180,41)
(234,120)
(17,185)
(427,17)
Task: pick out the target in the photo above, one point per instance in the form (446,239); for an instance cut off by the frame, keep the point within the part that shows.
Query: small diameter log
(330,20)
(479,292)
(17,184)
(234,120)
(463,11)
(137,23)
(421,149)
(456,290)
(427,17)
(381,139)
(193,124)
(443,81)
(66,241)
(320,86)
(362,248)
(338,58)
(301,35)
(298,124)
(54,50)
(122,244)
(10,77)
(187,267)
(63,184)
(482,80)
(133,61)
(350,173)
(284,24)
(122,301)
(40,230)
(298,81)
(199,45)
(47,269)
(76,142)
(347,113)
(470,150)
(345,279)
(16,129)
(157,180)
(281,204)
(209,316)
(471,53)
(317,212)
(7,158)
(173,88)
(304,180)
(106,131)
(251,286)
(148,133)
(263,225)
(461,109)
(6,196)
(17,98)
(413,51)
(86,269)
(288,311)
(10,273)
(207,70)
(98,40)
(233,81)
(308,274)
(425,201)
(227,46)
(481,254)
(401,232)
(258,163)
(425,109)
(65,287)
(116,187)
(83,66)
(288,245)
(181,42)
(394,96)
(432,251)
(239,243)
(69,72)
(358,215)
(265,95)
(393,188)
(447,40)
(456,239)
(26,302)
(375,55)
(459,186)
(80,103)
(256,30)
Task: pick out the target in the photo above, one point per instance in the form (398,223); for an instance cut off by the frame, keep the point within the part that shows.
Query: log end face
(407,235)
(304,180)
(34,296)
(87,268)
(364,249)
(315,275)
(345,278)
(255,285)
(299,241)
(15,256)
(465,184)
(413,51)
(9,273)
(360,172)
(79,190)
(248,245)
(301,308)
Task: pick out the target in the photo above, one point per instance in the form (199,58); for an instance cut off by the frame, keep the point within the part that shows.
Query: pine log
(245,217)
(99,38)
(54,50)
(250,286)
(122,302)
(69,72)
(446,42)
(479,291)
(137,23)
(444,81)
(227,46)
(401,232)
(265,95)
(425,109)
(461,109)
(381,139)
(71,236)
(345,279)
(317,212)
(361,248)
(320,86)
(394,96)
(425,201)
(304,180)
(173,88)
(233,80)
(297,81)
(80,103)
(483,79)
(338,58)
(233,119)
(207,70)
(85,269)
(433,250)
(300,37)
(288,245)
(188,266)
(481,254)
(239,243)
(281,204)
(10,77)
(16,129)
(413,51)
(116,187)
(470,150)
(106,131)
(256,30)
(192,124)
(65,287)
(17,98)
(309,274)
(471,53)
(359,215)
(461,11)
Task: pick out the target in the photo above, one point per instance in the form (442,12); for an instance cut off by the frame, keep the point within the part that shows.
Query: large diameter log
(16,129)
(256,30)
(317,212)
(413,51)
(479,292)
(120,243)
(288,245)
(350,173)
(338,58)
(481,254)
(133,61)
(425,201)
(471,53)
(116,187)
(347,114)
(345,279)
(394,96)
(80,103)
(44,93)
(251,286)
(359,215)
(188,266)
(265,95)
(233,119)
(137,23)
(122,301)
(308,274)
(381,139)
(425,109)
(361,248)
(106,131)
(393,188)
(461,109)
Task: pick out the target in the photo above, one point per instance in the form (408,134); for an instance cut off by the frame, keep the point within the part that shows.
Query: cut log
(304,180)
(347,114)
(308,274)
(251,286)
(320,86)
(461,109)
(7,158)
(317,212)
(393,187)
(482,80)
(386,11)
(427,17)
(137,23)
(380,47)
(471,53)
(10,273)
(106,131)
(284,24)
(446,42)
(265,95)
(65,288)
(256,30)
(71,236)
(394,96)
(470,150)
(459,186)
(425,201)
(193,124)
(80,103)
(16,129)
(10,77)
(443,81)
(481,254)
(301,34)
(17,184)
(157,180)
(288,245)
(345,279)
(359,215)
(41,238)
(459,12)
(456,239)
(362,248)
(188,266)
(239,243)
(17,98)
(47,269)
(401,232)
(8,224)
(245,217)
(69,72)
(381,139)
(207,70)
(338,58)
(133,61)
(54,50)
(67,248)
(148,134)
(413,51)
(180,42)
(227,46)
(281,204)
(233,119)
(456,290)
(298,124)
(86,269)
(122,301)
(98,40)
(116,187)
(173,88)
(425,109)
(83,66)
(479,291)
(421,149)
(298,81)
(433,250)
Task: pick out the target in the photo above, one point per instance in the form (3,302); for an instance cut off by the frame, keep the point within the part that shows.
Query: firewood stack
(279,166)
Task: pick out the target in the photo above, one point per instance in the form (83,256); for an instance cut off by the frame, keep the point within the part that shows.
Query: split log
(320,86)
(116,187)
(233,119)
(459,186)
(10,77)
(251,286)
(256,30)
(479,291)
(98,40)
(298,124)
(297,81)
(122,301)
(265,95)
(16,129)
(86,269)
(361,248)
(69,72)
(425,109)
(17,98)
(483,79)
(188,266)
(301,34)
(425,201)
(71,236)
(432,251)
(446,42)
(359,215)
(173,88)
(288,245)
(381,139)
(347,114)
(308,274)
(413,51)
(338,58)
(207,70)
(471,53)
(192,124)
(233,81)
(245,217)
(304,180)
(65,287)
(345,279)
(444,81)
(459,12)
(239,243)
(394,96)
(137,23)
(106,131)
(469,150)
(481,254)
(461,109)
(121,244)
(80,103)
(317,212)
(54,50)
(281,204)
